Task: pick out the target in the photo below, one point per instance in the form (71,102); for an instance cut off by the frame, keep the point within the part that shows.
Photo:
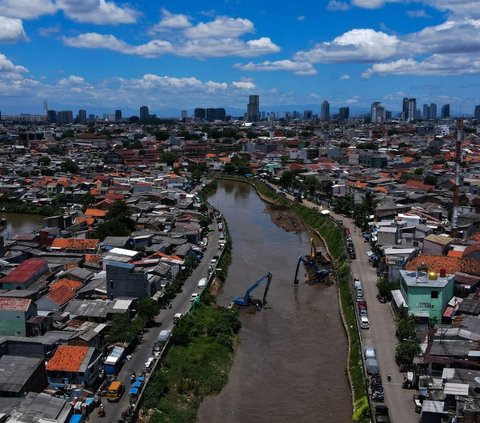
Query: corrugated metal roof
(456,389)
(14,304)
(26,271)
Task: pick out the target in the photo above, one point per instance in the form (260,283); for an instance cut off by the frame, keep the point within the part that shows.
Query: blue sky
(101,55)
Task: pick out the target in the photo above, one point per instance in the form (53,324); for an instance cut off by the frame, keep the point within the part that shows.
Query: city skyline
(107,55)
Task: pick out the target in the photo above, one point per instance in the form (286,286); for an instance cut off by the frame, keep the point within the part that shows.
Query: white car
(194,296)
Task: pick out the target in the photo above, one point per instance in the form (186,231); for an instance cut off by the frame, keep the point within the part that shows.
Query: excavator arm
(245,300)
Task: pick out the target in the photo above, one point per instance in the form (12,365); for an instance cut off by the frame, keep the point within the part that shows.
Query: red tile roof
(419,185)
(67,358)
(75,243)
(70,283)
(61,295)
(14,304)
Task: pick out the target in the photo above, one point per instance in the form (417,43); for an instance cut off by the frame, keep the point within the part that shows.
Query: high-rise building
(343,113)
(118,115)
(52,116)
(253,108)
(144,113)
(307,115)
(199,114)
(445,113)
(476,114)
(433,111)
(377,112)
(325,111)
(405,108)
(64,117)
(82,117)
(412,109)
(426,112)
(184,114)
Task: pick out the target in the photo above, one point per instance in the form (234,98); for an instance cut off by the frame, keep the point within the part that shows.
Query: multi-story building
(433,111)
(118,115)
(377,112)
(343,113)
(82,117)
(64,117)
(412,109)
(325,111)
(405,108)
(445,113)
(253,108)
(199,114)
(476,114)
(144,113)
(52,116)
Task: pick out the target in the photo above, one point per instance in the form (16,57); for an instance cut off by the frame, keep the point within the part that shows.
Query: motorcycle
(133,376)
(101,411)
(389,377)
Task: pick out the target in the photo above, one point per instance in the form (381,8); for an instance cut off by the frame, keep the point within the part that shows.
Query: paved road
(164,320)
(382,329)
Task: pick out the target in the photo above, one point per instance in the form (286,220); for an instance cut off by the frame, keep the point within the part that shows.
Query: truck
(114,361)
(162,339)
(381,414)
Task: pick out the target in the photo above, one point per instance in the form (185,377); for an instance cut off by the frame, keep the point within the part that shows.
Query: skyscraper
(65,116)
(377,112)
(199,114)
(118,115)
(476,114)
(52,116)
(412,109)
(253,108)
(82,117)
(325,111)
(144,113)
(405,108)
(445,113)
(426,112)
(343,113)
(433,111)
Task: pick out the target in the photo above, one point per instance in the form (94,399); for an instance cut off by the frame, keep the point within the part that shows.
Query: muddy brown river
(290,363)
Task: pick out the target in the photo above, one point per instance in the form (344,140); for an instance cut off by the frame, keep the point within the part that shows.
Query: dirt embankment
(286,219)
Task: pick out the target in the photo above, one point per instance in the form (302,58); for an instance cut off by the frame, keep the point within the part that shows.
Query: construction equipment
(247,300)
(314,265)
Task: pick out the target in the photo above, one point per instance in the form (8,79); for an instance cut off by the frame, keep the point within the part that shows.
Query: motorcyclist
(389,377)
(101,411)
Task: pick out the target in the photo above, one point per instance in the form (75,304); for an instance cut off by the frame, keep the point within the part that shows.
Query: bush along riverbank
(197,364)
(332,235)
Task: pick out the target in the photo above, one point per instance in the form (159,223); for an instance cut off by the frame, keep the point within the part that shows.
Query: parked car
(369,351)
(364,323)
(194,296)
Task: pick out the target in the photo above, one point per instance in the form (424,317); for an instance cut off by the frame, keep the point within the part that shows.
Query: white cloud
(299,68)
(338,6)
(209,47)
(221,27)
(72,80)
(97,12)
(11,30)
(96,40)
(153,48)
(7,67)
(27,9)
(435,65)
(171,22)
(244,85)
(420,13)
(300,18)
(357,45)
(344,77)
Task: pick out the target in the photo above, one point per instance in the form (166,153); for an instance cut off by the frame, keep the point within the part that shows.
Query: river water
(291,359)
(18,223)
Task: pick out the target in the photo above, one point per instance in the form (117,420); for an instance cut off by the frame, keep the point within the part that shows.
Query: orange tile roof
(70,283)
(67,358)
(92,258)
(171,256)
(413,183)
(75,243)
(475,237)
(450,264)
(61,295)
(407,160)
(95,213)
(455,253)
(88,220)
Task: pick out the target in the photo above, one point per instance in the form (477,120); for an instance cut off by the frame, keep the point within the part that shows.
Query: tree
(287,179)
(147,309)
(311,185)
(44,161)
(69,166)
(430,180)
(169,157)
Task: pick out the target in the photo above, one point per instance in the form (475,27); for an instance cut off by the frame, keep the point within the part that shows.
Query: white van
(202,283)
(364,324)
(177,317)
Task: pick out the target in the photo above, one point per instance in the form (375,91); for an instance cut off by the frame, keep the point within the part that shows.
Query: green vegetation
(408,344)
(117,222)
(9,205)
(197,365)
(124,329)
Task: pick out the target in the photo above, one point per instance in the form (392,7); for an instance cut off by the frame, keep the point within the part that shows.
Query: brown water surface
(18,223)
(290,363)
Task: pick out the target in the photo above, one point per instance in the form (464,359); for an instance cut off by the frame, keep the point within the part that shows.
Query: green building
(426,294)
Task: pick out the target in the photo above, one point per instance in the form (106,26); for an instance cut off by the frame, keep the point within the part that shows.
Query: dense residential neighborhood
(124,218)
